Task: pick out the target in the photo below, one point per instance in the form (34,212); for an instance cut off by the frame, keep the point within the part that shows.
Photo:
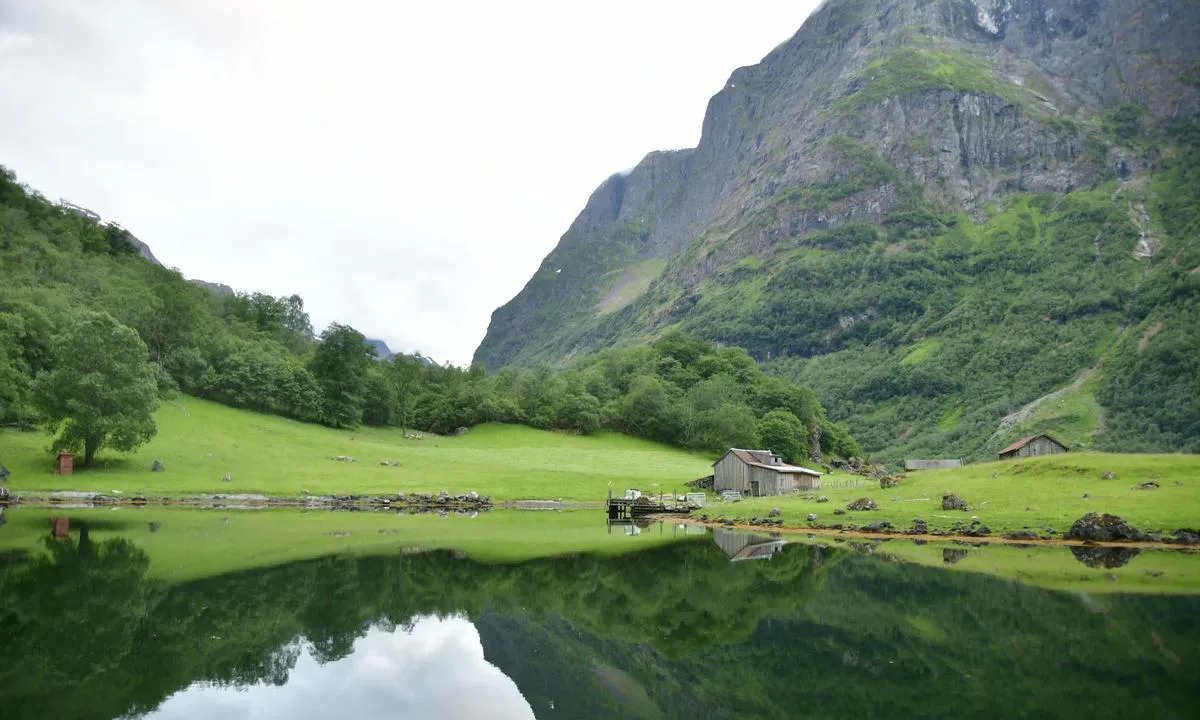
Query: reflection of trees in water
(1104,557)
(85,634)
(68,619)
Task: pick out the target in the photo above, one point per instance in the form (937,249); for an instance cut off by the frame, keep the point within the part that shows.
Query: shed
(1033,446)
(911,465)
(759,473)
(66,464)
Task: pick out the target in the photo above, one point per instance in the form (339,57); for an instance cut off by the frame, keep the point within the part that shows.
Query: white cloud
(436,671)
(402,166)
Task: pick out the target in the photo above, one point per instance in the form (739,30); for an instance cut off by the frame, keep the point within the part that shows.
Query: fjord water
(151,613)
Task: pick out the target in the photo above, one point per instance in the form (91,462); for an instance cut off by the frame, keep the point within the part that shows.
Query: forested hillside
(957,221)
(89,327)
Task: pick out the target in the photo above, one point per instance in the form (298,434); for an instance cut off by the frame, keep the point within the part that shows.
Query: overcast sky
(403,166)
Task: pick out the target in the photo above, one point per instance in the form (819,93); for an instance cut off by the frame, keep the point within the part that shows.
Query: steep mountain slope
(934,212)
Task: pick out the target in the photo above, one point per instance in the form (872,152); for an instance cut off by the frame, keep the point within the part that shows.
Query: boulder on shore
(1104,528)
(862,504)
(950,501)
(1186,537)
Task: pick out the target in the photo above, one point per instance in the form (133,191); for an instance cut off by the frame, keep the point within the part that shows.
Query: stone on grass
(775,512)
(862,504)
(1022,535)
(1186,537)
(1103,528)
(812,517)
(157,466)
(822,499)
(950,501)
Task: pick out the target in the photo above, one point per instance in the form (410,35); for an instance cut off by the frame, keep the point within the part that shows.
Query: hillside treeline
(680,390)
(260,352)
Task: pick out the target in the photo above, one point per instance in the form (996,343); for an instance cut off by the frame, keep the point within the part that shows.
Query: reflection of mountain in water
(677,631)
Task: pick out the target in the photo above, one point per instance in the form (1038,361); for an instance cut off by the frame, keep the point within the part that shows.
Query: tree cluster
(680,390)
(91,334)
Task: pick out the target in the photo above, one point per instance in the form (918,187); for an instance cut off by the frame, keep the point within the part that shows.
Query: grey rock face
(844,95)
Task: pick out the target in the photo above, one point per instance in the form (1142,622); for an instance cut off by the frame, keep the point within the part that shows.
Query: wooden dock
(641,506)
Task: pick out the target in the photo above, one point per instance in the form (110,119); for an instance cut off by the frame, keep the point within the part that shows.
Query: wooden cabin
(759,473)
(1033,446)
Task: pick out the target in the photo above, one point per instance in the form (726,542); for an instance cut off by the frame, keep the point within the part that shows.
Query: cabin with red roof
(1033,446)
(758,473)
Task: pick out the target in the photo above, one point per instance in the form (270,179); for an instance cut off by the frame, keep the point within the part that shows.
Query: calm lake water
(163,613)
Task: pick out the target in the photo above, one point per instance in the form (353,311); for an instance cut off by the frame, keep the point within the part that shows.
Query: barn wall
(730,473)
(1042,446)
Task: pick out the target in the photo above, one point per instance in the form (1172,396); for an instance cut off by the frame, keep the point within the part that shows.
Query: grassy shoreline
(1040,494)
(201,442)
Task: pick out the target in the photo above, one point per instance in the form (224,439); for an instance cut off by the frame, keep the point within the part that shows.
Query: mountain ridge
(884,127)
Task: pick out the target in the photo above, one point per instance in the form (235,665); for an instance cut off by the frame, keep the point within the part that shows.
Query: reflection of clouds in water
(436,671)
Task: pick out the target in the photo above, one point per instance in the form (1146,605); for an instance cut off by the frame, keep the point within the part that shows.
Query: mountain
(956,220)
(382,351)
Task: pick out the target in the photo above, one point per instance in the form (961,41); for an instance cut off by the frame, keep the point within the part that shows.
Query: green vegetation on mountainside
(941,334)
(943,222)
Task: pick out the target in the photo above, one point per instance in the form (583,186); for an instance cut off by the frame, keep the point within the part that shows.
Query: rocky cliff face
(874,110)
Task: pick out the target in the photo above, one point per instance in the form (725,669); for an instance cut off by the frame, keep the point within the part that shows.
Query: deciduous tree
(102,391)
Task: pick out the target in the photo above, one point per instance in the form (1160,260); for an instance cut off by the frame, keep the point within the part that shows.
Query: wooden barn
(759,473)
(1033,446)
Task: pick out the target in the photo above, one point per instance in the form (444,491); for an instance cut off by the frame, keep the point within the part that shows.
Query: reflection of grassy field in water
(199,442)
(189,544)
(1039,493)
(192,543)
(1092,570)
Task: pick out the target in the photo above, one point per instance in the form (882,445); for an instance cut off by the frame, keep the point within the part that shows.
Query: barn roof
(1026,440)
(767,460)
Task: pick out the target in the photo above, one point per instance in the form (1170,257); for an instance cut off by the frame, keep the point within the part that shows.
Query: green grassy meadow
(199,442)
(1039,493)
